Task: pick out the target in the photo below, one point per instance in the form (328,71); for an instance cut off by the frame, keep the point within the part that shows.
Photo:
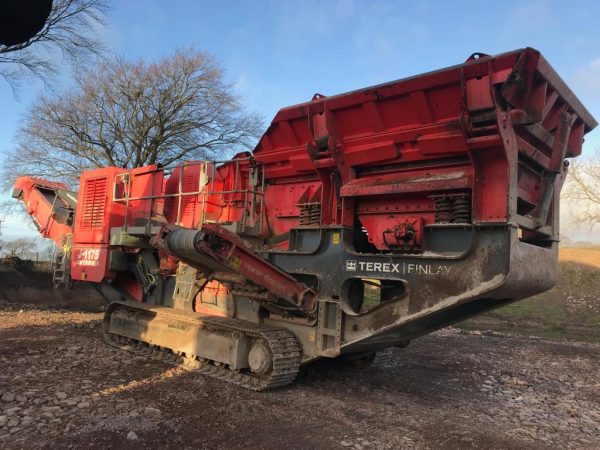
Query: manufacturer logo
(403,268)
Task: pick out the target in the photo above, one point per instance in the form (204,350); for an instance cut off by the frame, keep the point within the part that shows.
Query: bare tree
(23,247)
(70,32)
(582,190)
(133,114)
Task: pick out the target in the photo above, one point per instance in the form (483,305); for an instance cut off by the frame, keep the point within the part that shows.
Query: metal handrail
(253,196)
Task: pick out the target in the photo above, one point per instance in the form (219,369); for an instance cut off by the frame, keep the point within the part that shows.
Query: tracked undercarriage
(269,358)
(253,356)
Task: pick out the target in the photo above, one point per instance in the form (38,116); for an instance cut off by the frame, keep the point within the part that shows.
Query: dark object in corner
(20,20)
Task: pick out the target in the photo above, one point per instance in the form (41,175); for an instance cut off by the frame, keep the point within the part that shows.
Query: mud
(62,387)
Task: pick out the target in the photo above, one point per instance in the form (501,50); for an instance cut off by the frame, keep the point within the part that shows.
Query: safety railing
(146,213)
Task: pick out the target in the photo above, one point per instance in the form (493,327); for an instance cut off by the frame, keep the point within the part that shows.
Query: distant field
(571,310)
(583,255)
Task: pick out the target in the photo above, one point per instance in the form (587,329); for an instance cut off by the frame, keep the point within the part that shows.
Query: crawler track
(284,348)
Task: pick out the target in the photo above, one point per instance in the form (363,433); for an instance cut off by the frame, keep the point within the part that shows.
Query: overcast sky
(279,53)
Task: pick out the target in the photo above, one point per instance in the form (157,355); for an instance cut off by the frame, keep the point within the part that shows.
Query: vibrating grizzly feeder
(360,222)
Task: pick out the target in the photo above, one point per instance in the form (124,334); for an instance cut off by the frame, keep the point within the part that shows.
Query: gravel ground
(62,387)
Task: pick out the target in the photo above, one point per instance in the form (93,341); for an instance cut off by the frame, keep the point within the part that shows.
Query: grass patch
(571,310)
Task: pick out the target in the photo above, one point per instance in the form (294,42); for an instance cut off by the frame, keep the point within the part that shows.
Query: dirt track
(62,387)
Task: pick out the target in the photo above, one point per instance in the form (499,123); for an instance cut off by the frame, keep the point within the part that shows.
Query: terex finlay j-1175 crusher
(359,222)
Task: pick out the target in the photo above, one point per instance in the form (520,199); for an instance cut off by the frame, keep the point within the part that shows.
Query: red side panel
(89,262)
(144,185)
(96,214)
(184,209)
(198,190)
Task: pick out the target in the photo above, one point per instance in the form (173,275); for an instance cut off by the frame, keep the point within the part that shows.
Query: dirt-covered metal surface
(61,386)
